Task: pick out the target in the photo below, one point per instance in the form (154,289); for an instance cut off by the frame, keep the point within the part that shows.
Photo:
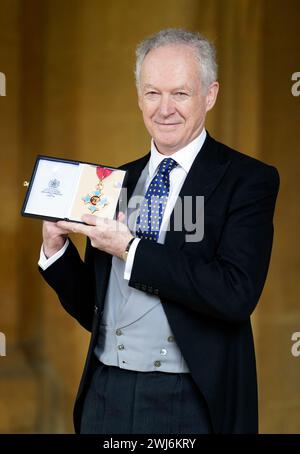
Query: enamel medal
(96,199)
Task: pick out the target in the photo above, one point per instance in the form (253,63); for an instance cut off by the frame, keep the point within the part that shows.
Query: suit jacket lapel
(134,171)
(203,177)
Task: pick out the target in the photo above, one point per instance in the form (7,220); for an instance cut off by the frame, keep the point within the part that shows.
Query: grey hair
(204,51)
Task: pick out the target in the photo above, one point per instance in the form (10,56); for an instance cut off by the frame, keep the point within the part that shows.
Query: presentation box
(62,189)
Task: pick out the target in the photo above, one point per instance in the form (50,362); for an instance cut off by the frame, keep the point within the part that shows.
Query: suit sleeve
(228,285)
(73,281)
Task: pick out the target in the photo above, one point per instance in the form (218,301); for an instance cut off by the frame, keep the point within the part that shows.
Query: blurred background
(70,93)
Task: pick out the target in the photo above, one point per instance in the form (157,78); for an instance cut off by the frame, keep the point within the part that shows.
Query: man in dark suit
(169,308)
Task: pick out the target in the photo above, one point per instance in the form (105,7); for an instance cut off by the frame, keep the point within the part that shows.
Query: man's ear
(139,101)
(211,95)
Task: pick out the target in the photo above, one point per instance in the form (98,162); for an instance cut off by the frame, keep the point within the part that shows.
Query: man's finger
(89,219)
(74,227)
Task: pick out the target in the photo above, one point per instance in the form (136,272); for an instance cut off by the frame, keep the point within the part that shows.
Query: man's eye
(151,93)
(181,94)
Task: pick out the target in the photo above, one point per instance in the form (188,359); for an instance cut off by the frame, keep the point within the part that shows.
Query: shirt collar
(184,157)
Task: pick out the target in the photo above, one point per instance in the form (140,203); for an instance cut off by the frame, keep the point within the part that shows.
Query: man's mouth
(166,124)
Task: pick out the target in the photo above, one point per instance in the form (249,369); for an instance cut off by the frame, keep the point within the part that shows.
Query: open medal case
(62,189)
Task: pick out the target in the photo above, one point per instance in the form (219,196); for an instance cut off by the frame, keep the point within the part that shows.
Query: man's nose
(166,106)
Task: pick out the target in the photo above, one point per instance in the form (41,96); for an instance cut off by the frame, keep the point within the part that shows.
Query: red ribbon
(103,172)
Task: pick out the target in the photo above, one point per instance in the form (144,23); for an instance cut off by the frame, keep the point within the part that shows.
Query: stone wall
(70,93)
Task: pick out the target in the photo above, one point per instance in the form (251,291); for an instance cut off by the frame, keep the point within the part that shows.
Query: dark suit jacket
(208,289)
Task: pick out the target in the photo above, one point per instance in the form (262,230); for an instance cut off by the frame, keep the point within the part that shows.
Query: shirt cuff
(44,263)
(130,258)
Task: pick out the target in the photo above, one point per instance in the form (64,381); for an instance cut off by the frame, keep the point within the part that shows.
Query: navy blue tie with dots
(154,203)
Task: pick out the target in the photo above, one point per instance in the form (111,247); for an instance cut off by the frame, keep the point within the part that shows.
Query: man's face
(172,98)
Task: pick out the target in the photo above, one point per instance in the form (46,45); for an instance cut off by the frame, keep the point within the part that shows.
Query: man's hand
(54,237)
(107,235)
